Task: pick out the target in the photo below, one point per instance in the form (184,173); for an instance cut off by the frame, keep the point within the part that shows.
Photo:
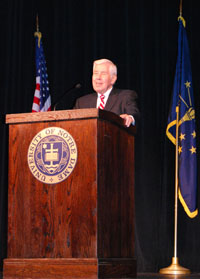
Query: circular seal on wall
(52,155)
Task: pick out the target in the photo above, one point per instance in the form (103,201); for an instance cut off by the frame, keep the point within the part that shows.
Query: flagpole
(38,33)
(42,97)
(180,8)
(175,268)
(37,23)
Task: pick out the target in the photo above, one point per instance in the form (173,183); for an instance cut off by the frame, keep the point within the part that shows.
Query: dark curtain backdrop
(141,38)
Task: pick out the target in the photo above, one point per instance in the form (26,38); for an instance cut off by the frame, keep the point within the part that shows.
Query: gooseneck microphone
(76,86)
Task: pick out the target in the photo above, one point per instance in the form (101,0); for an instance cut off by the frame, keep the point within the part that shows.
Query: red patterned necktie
(102,104)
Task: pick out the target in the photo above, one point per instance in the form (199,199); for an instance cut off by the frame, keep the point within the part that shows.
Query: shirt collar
(106,94)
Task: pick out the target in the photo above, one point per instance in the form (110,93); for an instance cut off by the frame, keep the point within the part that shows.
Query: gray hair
(112,66)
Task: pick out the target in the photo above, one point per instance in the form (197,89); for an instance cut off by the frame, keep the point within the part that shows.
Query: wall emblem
(52,155)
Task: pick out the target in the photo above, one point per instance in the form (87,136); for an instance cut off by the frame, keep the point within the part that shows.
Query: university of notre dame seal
(52,155)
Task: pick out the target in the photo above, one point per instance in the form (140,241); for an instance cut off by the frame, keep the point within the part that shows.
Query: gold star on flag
(182,136)
(187,84)
(193,149)
(194,134)
(180,149)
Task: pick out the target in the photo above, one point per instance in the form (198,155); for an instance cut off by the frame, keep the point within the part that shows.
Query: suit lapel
(111,99)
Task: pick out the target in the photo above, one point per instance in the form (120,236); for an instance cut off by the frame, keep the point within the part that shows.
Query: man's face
(102,79)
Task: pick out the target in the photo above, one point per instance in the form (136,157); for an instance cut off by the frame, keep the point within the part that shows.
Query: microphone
(76,86)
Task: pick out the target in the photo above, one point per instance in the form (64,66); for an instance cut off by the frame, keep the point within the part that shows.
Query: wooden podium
(82,226)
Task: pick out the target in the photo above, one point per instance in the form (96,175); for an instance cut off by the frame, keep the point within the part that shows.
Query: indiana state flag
(183,98)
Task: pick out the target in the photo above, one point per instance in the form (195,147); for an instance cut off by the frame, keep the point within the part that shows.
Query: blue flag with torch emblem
(183,97)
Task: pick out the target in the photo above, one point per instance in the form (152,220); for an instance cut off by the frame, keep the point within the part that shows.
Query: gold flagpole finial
(37,23)
(38,33)
(181,8)
(181,12)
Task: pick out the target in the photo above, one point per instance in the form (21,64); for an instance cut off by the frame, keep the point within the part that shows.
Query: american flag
(42,98)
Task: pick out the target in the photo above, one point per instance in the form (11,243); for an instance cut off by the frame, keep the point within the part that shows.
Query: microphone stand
(76,86)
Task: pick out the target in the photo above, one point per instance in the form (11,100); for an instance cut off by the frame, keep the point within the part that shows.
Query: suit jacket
(120,101)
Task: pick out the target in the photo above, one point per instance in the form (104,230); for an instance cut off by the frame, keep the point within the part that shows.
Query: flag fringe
(189,213)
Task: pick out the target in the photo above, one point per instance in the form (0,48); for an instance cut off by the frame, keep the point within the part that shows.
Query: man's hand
(128,119)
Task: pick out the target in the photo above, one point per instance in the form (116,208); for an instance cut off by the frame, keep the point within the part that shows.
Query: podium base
(69,268)
(174,268)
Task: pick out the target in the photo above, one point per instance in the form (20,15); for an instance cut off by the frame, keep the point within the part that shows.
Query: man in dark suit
(120,101)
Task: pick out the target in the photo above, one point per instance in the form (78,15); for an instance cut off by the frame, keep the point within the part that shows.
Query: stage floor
(156,276)
(161,276)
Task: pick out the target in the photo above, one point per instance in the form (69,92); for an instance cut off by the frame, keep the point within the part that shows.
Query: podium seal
(52,155)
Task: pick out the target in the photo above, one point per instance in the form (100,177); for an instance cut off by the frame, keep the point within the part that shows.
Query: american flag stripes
(42,98)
